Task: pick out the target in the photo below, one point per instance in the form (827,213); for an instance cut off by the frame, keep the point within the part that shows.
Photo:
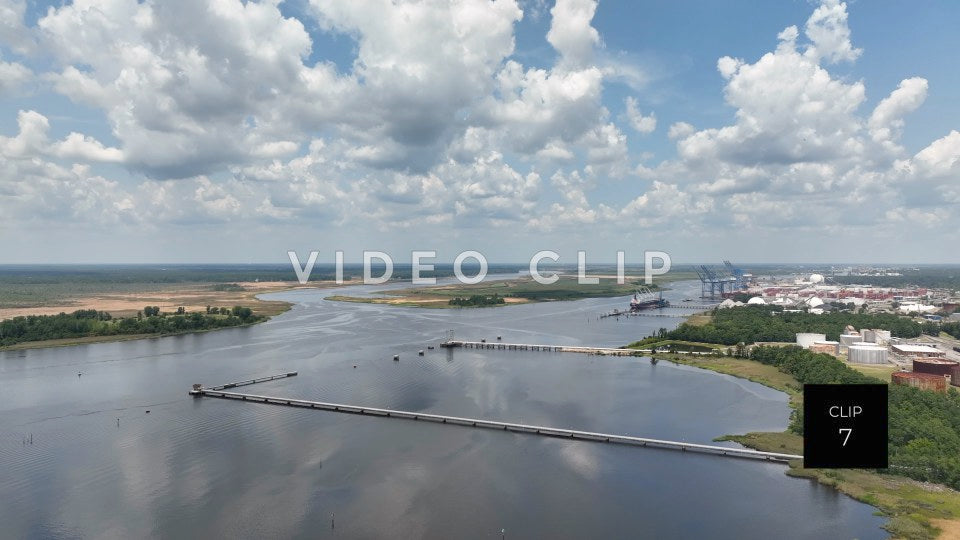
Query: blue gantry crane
(719,281)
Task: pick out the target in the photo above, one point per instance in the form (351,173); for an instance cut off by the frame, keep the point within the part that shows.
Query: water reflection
(207,467)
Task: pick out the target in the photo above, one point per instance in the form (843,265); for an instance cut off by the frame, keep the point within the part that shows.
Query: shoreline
(91,340)
(194,296)
(913,509)
(266,308)
(514,290)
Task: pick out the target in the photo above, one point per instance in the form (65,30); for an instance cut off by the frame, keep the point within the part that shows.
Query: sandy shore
(192,297)
(949,530)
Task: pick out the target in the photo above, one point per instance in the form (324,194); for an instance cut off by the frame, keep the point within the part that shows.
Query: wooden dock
(490,424)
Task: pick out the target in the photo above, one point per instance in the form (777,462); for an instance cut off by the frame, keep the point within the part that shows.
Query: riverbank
(87,340)
(126,299)
(522,290)
(916,510)
(275,308)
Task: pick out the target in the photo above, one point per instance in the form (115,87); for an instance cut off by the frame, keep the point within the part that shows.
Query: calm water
(196,467)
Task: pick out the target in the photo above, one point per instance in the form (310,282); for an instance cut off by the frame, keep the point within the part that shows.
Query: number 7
(849,432)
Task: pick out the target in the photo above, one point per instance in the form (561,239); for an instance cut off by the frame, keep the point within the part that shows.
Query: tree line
(477,300)
(87,323)
(750,324)
(952,328)
(924,426)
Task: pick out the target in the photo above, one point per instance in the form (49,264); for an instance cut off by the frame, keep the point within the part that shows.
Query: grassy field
(514,291)
(700,319)
(916,510)
(881,372)
(126,299)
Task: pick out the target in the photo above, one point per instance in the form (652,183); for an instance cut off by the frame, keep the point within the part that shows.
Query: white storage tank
(805,340)
(880,337)
(867,353)
(849,339)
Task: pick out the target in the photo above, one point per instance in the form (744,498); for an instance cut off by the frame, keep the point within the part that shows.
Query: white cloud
(830,36)
(639,122)
(435,121)
(789,109)
(571,33)
(941,158)
(31,140)
(886,122)
(185,86)
(13,33)
(13,76)
(680,130)
(799,154)
(84,148)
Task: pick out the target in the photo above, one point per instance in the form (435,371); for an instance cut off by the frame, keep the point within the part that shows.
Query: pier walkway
(645,314)
(199,391)
(605,351)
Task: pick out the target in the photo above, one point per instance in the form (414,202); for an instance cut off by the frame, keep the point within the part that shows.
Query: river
(206,467)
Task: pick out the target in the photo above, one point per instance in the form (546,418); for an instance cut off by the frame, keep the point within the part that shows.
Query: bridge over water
(610,438)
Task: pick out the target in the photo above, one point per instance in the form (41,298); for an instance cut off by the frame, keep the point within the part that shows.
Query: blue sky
(224,131)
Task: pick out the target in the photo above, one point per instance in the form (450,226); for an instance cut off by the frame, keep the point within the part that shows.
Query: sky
(228,131)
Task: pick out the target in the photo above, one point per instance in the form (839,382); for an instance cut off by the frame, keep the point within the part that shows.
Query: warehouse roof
(904,347)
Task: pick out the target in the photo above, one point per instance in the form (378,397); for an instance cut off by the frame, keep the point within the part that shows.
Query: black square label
(845,425)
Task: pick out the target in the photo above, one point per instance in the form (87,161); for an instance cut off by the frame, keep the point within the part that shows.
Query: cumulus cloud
(227,110)
(887,120)
(32,141)
(639,122)
(829,33)
(680,130)
(941,158)
(13,33)
(13,76)
(800,154)
(571,32)
(85,148)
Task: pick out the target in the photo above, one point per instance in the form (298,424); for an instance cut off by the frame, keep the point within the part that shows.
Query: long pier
(619,314)
(603,351)
(218,392)
(536,347)
(255,381)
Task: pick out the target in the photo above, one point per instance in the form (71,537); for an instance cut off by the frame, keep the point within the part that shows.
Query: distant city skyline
(229,132)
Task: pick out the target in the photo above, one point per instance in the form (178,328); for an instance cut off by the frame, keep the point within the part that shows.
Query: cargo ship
(644,301)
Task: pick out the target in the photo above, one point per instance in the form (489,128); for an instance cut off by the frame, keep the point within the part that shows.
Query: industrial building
(923,381)
(939,367)
(867,353)
(909,350)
